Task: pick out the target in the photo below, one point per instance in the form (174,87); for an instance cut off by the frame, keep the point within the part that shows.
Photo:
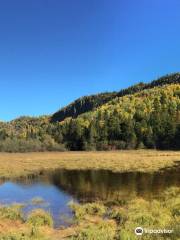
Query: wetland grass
(22,164)
(98,220)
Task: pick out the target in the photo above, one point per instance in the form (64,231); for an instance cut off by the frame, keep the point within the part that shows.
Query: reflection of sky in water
(55,199)
(57,188)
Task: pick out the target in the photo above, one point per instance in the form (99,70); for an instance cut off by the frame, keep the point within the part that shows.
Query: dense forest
(146,115)
(89,103)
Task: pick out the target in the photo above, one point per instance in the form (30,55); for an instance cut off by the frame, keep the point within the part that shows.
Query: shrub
(39,217)
(104,230)
(13,212)
(119,214)
(81,211)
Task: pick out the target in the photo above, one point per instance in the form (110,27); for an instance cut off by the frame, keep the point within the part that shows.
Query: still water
(58,188)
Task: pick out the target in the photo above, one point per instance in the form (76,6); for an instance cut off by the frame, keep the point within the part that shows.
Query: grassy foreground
(21,164)
(98,221)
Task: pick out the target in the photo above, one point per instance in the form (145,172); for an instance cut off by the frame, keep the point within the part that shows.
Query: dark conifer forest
(146,115)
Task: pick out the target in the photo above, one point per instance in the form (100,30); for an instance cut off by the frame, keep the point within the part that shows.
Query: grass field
(21,164)
(89,221)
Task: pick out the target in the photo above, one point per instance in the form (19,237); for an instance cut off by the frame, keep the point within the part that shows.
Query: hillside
(88,103)
(141,116)
(82,105)
(147,119)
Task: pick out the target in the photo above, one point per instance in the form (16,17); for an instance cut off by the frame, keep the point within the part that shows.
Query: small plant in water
(37,201)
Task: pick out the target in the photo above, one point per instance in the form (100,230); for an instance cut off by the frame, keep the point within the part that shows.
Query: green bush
(11,212)
(39,217)
(119,214)
(81,211)
(101,231)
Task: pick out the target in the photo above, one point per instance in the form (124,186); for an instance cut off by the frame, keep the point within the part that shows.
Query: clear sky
(54,51)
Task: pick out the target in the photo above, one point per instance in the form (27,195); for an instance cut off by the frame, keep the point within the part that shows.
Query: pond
(59,187)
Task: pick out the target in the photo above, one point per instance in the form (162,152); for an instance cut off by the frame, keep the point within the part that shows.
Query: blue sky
(54,51)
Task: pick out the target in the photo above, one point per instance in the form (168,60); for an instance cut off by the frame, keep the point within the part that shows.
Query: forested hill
(141,116)
(82,105)
(88,103)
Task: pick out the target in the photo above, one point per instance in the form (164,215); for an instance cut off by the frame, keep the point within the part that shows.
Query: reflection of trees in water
(101,184)
(110,186)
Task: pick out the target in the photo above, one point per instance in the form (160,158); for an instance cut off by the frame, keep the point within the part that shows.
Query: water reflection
(24,191)
(106,185)
(57,188)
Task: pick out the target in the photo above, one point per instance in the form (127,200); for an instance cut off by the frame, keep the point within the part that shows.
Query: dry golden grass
(20,164)
(8,226)
(15,228)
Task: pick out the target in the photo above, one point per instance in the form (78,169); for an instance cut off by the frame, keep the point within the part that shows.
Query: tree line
(144,118)
(89,103)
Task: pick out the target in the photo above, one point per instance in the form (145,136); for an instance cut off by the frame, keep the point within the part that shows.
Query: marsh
(53,190)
